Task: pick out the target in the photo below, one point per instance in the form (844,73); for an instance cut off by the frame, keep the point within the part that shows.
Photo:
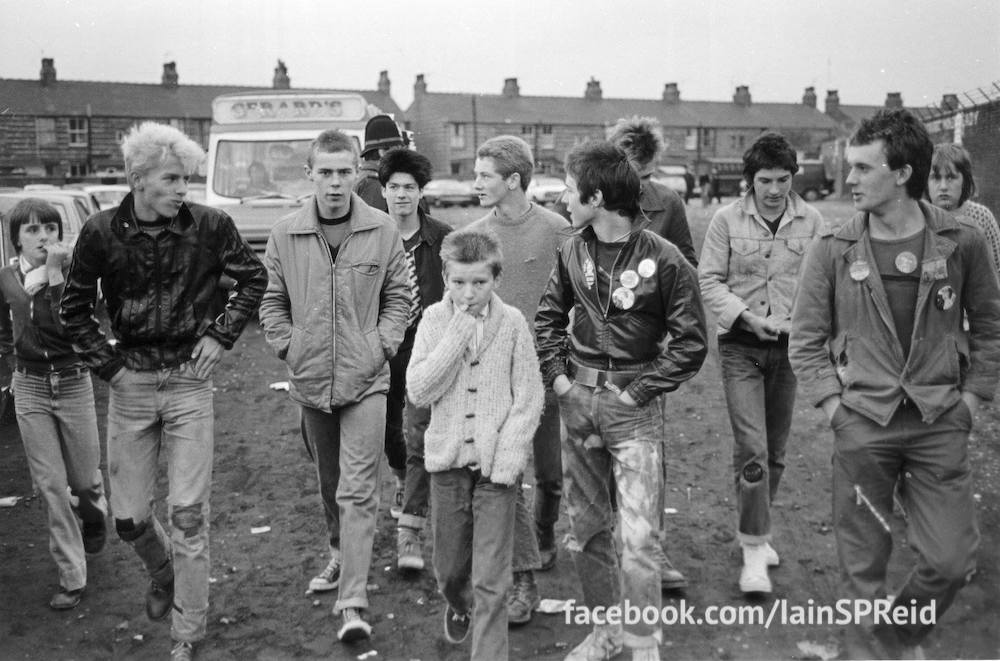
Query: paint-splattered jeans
(168,411)
(931,464)
(605,435)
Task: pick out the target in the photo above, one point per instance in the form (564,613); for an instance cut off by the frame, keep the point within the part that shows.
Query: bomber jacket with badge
(160,291)
(658,298)
(843,340)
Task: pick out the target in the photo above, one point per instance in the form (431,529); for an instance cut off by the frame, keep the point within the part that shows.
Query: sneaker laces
(331,569)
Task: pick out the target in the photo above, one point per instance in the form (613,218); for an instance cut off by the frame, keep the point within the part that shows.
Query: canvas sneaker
(354,627)
(456,627)
(409,554)
(329,578)
(771,556)
(604,642)
(396,509)
(753,574)
(182,651)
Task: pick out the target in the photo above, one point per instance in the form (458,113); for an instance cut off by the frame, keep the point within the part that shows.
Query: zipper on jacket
(597,290)
(159,288)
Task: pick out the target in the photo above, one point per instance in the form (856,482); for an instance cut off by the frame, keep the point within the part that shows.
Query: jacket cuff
(732,313)
(553,370)
(110,368)
(983,389)
(825,389)
(639,394)
(216,334)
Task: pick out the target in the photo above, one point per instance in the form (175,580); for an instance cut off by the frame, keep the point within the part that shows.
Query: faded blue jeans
(760,394)
(605,436)
(346,445)
(473,523)
(167,411)
(59,430)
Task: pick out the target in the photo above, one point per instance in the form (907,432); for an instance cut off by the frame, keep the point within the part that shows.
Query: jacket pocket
(745,255)
(294,355)
(365,280)
(939,362)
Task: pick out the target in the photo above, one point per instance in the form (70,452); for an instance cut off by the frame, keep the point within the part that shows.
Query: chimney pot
(510,88)
(809,98)
(742,96)
(47,75)
(670,93)
(832,105)
(384,84)
(281,80)
(894,100)
(593,92)
(169,78)
(950,102)
(420,85)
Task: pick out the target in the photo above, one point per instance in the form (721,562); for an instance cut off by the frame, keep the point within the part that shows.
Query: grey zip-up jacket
(335,325)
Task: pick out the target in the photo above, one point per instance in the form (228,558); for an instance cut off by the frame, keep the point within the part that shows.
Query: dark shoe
(354,627)
(182,652)
(329,578)
(548,558)
(159,600)
(456,627)
(65,599)
(94,536)
(523,599)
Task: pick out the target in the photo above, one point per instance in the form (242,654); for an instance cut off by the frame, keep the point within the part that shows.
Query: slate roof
(144,100)
(498,109)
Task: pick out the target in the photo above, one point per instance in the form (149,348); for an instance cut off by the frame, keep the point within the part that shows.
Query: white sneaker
(396,508)
(354,628)
(409,554)
(771,556)
(753,575)
(603,643)
(329,578)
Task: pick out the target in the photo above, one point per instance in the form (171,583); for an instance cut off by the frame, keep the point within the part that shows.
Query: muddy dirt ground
(260,609)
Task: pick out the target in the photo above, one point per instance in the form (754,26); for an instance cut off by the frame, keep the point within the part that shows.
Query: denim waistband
(65,372)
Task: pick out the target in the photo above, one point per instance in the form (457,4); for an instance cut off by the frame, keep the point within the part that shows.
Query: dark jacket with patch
(160,291)
(667,305)
(844,342)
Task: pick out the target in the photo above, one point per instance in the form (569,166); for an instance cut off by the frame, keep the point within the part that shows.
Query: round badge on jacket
(860,270)
(623,298)
(646,268)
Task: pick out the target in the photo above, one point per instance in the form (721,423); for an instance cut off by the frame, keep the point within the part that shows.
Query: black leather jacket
(161,292)
(667,306)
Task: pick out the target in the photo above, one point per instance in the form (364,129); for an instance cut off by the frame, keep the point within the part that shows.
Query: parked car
(811,182)
(108,196)
(545,190)
(71,210)
(671,176)
(449,192)
(88,201)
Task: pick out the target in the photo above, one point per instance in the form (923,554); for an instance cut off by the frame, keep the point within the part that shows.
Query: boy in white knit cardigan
(474,364)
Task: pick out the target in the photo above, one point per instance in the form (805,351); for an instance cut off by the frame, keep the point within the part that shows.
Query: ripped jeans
(168,411)
(604,436)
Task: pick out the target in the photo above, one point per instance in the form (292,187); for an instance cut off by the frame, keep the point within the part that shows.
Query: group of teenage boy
(522,337)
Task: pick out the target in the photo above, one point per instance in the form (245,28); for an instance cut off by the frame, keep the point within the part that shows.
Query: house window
(548,139)
(78,170)
(456,168)
(527,130)
(458,136)
(45,131)
(743,141)
(119,136)
(77,131)
(691,140)
(706,137)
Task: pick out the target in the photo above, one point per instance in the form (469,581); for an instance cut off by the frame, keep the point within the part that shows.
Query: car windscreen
(261,169)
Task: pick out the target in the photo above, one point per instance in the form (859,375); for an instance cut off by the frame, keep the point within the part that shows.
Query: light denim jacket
(744,267)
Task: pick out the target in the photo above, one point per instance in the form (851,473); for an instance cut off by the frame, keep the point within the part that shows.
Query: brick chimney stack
(169,78)
(593,92)
(832,105)
(894,100)
(383,82)
(511,89)
(47,76)
(281,80)
(950,102)
(742,96)
(809,98)
(671,94)
(419,86)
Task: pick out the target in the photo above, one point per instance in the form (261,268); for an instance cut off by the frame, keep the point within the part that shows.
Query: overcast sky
(863,48)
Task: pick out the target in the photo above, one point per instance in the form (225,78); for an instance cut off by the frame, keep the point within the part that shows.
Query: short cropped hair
(640,137)
(770,151)
(471,246)
(906,143)
(28,209)
(148,146)
(948,157)
(330,141)
(510,155)
(600,165)
(407,161)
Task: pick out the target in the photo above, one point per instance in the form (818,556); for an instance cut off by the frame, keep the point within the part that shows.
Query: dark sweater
(35,336)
